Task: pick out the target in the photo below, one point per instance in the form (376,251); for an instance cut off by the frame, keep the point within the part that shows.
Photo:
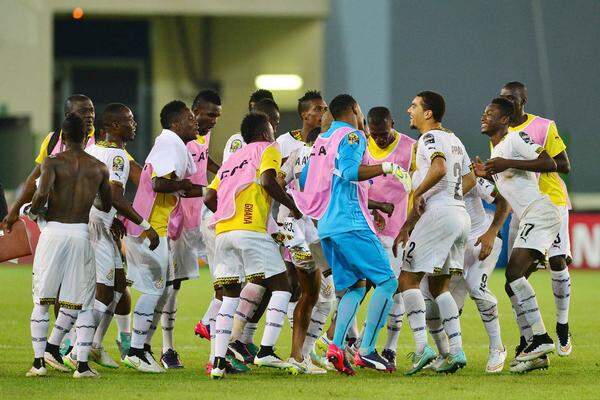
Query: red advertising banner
(584,229)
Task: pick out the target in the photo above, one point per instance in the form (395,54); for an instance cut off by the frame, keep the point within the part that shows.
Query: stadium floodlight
(278,81)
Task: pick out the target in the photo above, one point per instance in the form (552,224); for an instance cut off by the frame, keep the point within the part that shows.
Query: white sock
(167,322)
(414,305)
(99,310)
(250,298)
(224,324)
(436,328)
(142,319)
(105,321)
(63,324)
(394,323)
(528,302)
(318,319)
(86,325)
(156,317)
(561,287)
(70,336)
(524,328)
(276,312)
(488,311)
(39,323)
(290,312)
(450,320)
(249,332)
(213,328)
(211,311)
(123,324)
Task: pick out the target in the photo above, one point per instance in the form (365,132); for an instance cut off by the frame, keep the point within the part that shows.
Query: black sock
(82,366)
(265,351)
(52,348)
(136,352)
(562,330)
(39,362)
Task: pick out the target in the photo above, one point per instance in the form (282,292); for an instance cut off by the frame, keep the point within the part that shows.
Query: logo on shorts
(159,283)
(327,290)
(110,275)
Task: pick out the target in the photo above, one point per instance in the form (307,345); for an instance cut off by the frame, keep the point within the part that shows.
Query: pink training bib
(143,201)
(236,174)
(314,199)
(388,189)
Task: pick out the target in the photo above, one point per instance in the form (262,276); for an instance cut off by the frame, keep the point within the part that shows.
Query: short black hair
(74,98)
(170,112)
(111,112)
(433,102)
(507,108)
(268,107)
(514,85)
(258,95)
(341,104)
(303,102)
(378,115)
(253,125)
(206,96)
(73,129)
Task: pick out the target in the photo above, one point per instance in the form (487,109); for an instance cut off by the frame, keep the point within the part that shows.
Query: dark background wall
(466,50)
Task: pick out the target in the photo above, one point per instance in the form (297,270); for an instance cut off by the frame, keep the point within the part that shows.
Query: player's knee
(558,263)
(512,274)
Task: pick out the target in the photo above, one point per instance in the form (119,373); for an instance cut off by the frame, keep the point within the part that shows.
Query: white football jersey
(117,163)
(288,142)
(234,143)
(448,191)
(520,188)
(480,218)
(297,159)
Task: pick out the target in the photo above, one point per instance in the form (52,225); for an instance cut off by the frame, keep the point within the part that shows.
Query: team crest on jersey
(118,164)
(525,137)
(235,145)
(352,138)
(428,139)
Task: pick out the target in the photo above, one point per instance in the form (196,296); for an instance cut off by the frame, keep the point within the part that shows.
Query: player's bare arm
(563,165)
(500,214)
(544,163)
(268,180)
(47,177)
(164,185)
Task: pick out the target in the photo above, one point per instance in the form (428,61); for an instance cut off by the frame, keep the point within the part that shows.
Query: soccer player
(119,127)
(236,141)
(78,105)
(339,202)
(544,132)
(515,159)
(185,234)
(387,144)
(481,255)
(438,225)
(64,259)
(163,179)
(243,248)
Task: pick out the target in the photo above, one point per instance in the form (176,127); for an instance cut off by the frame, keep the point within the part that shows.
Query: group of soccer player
(299,226)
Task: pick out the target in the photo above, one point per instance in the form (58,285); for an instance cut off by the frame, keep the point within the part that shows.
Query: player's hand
(10,220)
(487,244)
(479,168)
(397,172)
(117,229)
(378,220)
(194,191)
(401,238)
(496,165)
(153,237)
(294,212)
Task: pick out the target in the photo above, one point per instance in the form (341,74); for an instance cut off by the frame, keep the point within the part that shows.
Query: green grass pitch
(575,377)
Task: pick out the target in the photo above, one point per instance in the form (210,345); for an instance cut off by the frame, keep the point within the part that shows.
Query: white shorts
(183,255)
(241,255)
(106,253)
(538,227)
(437,243)
(476,274)
(395,262)
(64,261)
(298,237)
(208,238)
(146,268)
